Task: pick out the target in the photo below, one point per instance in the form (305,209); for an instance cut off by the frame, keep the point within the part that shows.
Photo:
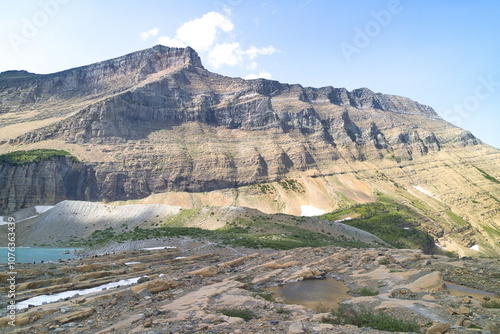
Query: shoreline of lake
(38,254)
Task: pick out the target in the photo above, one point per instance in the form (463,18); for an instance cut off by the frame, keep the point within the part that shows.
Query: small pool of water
(316,294)
(460,290)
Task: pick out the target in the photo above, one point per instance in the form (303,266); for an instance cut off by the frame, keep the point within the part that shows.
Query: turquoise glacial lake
(37,254)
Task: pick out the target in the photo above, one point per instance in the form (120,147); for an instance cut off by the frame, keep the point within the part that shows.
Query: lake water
(460,291)
(316,294)
(36,254)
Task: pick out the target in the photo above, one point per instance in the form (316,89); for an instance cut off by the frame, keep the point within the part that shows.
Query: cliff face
(184,110)
(47,94)
(45,182)
(156,121)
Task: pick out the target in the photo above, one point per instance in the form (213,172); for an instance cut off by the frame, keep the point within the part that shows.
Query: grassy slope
(251,230)
(392,222)
(395,223)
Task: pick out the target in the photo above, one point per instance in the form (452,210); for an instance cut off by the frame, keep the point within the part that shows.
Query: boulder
(305,273)
(154,286)
(207,271)
(296,328)
(27,318)
(143,279)
(276,265)
(77,315)
(239,261)
(464,310)
(438,328)
(144,293)
(266,277)
(432,282)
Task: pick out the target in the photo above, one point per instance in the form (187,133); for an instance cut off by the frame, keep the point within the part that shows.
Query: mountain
(155,126)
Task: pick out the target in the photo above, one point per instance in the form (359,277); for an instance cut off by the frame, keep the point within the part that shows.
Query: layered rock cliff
(45,182)
(156,121)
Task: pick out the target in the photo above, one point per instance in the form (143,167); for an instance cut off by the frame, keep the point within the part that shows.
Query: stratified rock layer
(156,121)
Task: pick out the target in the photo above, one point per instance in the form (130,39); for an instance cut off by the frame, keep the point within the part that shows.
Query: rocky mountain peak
(93,81)
(158,58)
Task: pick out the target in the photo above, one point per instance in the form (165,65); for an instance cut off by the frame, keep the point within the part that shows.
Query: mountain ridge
(161,123)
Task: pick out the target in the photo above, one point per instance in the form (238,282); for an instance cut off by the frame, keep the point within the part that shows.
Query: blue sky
(445,54)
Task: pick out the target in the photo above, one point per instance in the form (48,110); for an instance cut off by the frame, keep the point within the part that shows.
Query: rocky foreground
(187,289)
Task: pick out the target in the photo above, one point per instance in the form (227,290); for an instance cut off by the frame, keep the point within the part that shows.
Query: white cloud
(233,54)
(253,51)
(172,42)
(201,33)
(225,54)
(150,33)
(211,36)
(262,74)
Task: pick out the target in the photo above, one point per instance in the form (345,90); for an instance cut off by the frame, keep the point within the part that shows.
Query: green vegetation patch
(390,221)
(290,184)
(265,188)
(487,176)
(348,315)
(267,295)
(181,218)
(456,218)
(101,236)
(491,304)
(491,230)
(26,157)
(253,232)
(243,313)
(365,291)
(17,75)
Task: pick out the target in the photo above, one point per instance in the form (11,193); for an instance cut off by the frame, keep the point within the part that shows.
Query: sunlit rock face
(156,121)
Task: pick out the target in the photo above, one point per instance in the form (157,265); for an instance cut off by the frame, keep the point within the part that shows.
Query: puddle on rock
(316,294)
(460,291)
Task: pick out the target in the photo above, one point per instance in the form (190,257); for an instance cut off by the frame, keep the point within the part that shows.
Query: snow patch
(342,220)
(248,96)
(158,248)
(43,208)
(475,247)
(30,217)
(131,263)
(422,190)
(309,211)
(2,222)
(43,299)
(39,210)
